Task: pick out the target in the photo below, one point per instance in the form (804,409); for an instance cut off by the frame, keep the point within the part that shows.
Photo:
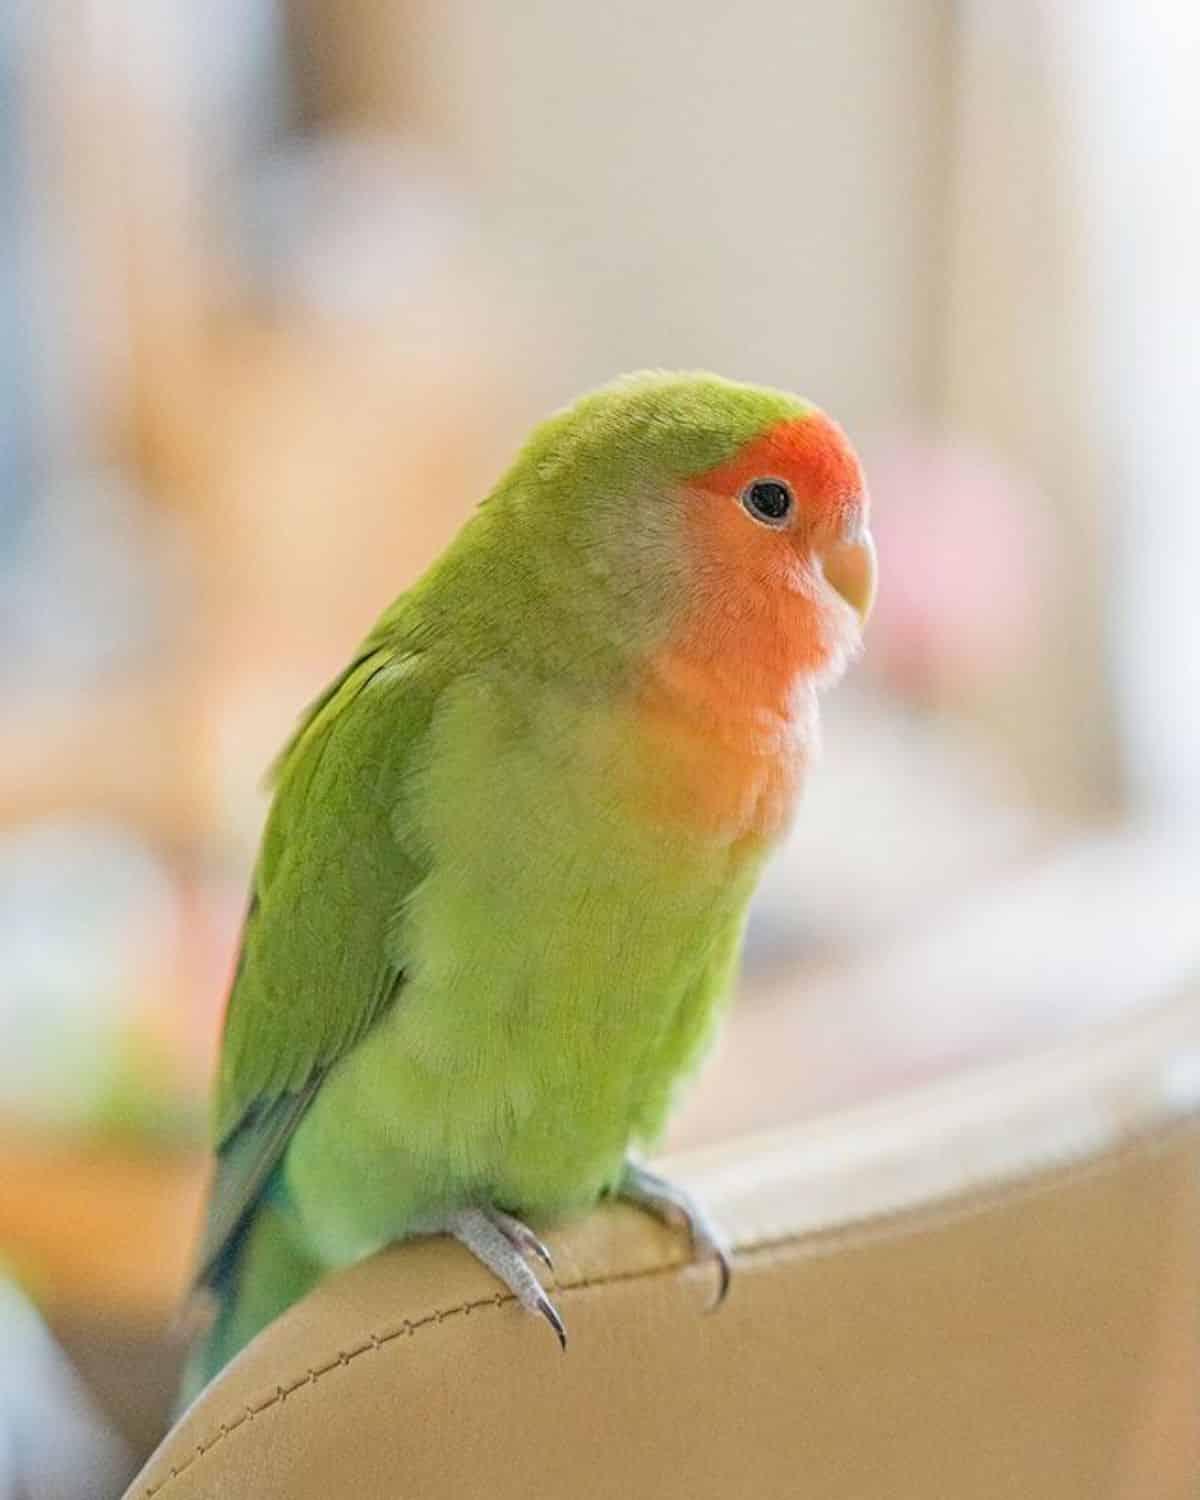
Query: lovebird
(498,905)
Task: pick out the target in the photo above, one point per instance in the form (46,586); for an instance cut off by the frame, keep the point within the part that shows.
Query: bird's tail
(265,1272)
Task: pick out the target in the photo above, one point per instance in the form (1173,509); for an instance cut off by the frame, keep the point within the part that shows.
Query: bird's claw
(550,1313)
(674,1204)
(500,1241)
(720,1253)
(520,1236)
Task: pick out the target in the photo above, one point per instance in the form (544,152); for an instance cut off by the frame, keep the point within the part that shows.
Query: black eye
(768,500)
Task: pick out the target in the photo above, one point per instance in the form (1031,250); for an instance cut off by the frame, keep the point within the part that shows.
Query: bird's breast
(719,753)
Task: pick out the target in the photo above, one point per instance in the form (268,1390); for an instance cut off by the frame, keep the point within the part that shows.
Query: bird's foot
(501,1242)
(674,1205)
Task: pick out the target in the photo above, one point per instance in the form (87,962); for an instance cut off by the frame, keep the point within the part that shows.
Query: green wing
(316,968)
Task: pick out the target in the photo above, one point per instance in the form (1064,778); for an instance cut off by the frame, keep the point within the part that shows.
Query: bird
(496,914)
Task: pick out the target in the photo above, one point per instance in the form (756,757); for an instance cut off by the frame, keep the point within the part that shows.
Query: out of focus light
(86,918)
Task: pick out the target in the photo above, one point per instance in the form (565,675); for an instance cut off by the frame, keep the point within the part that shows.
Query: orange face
(791,502)
(785,560)
(785,574)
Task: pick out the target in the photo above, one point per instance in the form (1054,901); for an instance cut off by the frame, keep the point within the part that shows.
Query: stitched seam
(803,1246)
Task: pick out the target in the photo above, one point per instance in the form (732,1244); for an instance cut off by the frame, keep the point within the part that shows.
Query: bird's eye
(768,500)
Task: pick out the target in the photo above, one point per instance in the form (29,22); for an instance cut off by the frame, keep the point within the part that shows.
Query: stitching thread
(767,1244)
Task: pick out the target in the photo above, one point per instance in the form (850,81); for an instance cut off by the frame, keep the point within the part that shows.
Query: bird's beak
(849,569)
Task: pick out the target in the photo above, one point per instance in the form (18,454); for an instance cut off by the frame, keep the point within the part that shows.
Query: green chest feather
(565,960)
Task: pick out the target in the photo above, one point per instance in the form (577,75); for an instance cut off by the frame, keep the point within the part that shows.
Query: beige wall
(754,187)
(1020,334)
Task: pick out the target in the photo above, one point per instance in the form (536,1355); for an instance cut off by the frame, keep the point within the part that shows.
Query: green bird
(502,886)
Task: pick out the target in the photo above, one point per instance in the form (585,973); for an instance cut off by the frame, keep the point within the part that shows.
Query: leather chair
(987,1289)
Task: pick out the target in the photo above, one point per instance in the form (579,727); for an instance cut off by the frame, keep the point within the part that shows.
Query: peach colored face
(791,506)
(784,576)
(784,565)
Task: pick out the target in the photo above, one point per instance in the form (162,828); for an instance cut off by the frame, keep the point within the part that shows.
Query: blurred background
(283,283)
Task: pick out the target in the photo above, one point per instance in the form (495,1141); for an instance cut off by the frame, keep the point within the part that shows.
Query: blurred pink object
(965,552)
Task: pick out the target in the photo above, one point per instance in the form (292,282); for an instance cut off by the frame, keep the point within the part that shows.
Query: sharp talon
(519,1235)
(499,1241)
(550,1313)
(674,1205)
(705,1242)
(724,1276)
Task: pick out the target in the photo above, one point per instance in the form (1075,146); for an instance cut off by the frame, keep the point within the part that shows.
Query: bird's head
(720,524)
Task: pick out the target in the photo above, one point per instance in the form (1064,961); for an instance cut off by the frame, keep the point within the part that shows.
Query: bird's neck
(729,708)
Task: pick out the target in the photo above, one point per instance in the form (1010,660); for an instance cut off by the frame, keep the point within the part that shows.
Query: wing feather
(316,968)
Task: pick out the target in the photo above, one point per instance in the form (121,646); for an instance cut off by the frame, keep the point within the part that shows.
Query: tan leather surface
(1035,1336)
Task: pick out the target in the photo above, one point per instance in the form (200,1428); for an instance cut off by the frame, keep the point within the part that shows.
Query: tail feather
(266,1271)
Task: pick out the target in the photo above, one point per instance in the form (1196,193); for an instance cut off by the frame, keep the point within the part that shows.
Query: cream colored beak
(849,569)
